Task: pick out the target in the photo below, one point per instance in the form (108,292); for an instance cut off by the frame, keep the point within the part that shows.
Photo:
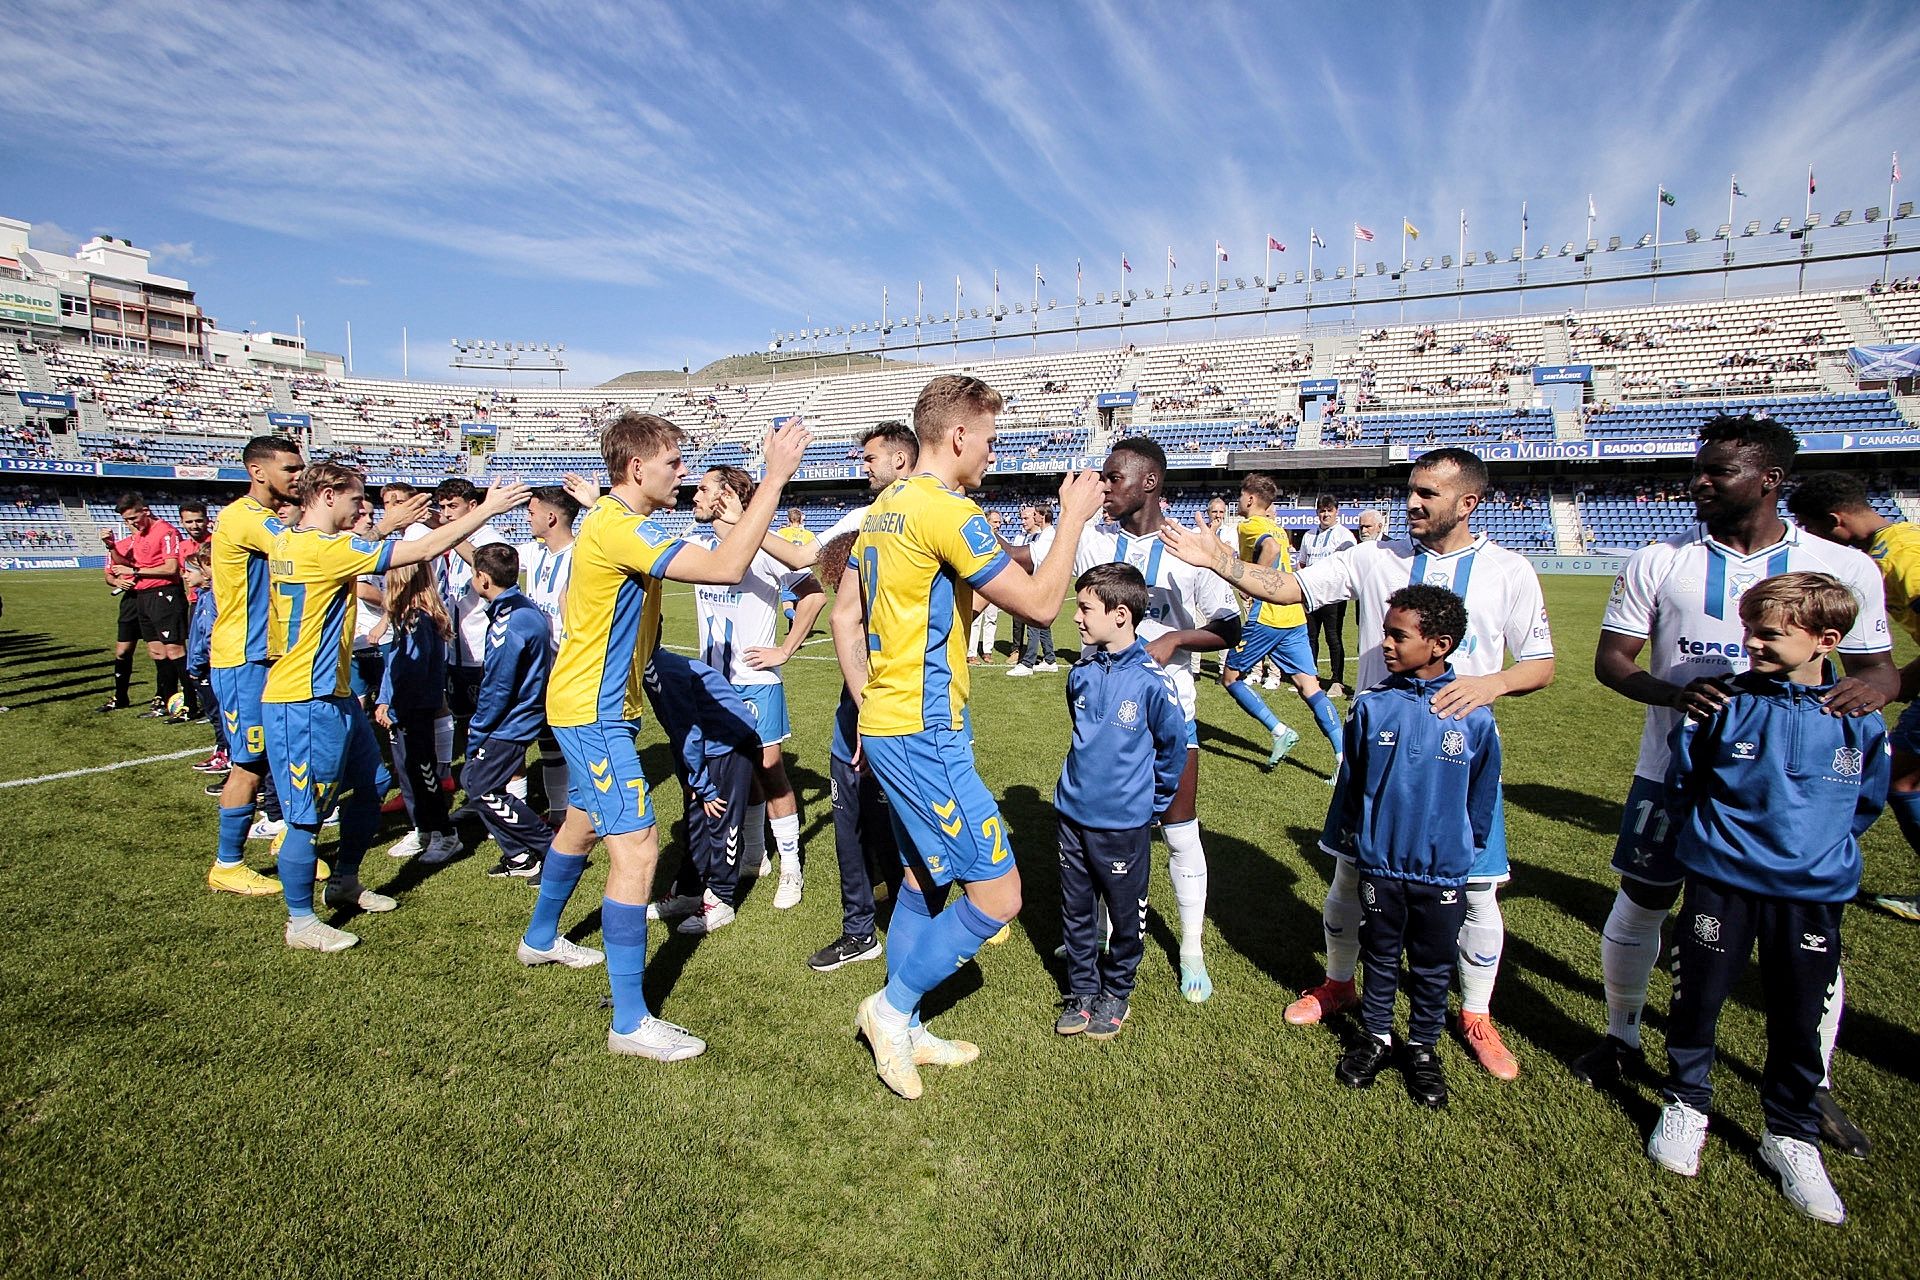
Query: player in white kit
(1679,601)
(737,639)
(1189,611)
(1505,614)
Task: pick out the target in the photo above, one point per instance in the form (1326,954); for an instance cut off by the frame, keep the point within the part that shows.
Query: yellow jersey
(1253,531)
(922,551)
(1896,549)
(313,578)
(611,620)
(241,546)
(798,535)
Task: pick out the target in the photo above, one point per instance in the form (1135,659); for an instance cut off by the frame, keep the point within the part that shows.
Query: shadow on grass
(1558,804)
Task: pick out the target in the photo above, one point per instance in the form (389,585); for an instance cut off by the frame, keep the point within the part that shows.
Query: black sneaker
(1109,1012)
(1426,1082)
(115,703)
(217,786)
(1608,1062)
(846,949)
(1837,1129)
(1076,1012)
(1363,1061)
(519,867)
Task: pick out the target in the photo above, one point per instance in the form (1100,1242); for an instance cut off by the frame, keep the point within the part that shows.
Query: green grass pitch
(181,1096)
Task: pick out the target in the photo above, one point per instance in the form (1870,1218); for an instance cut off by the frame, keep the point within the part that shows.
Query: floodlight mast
(533,357)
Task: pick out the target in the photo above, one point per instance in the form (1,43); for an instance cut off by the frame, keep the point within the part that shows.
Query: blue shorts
(1287,646)
(320,750)
(768,703)
(943,813)
(1644,850)
(604,778)
(1906,730)
(238,690)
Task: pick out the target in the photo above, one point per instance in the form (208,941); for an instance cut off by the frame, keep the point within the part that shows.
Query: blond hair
(635,437)
(948,398)
(1815,602)
(412,594)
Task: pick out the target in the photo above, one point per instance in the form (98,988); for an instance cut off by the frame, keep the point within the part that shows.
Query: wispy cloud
(352,282)
(181,253)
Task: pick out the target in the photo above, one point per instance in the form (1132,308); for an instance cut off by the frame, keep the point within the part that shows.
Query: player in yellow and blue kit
(1276,631)
(609,628)
(238,655)
(318,739)
(924,549)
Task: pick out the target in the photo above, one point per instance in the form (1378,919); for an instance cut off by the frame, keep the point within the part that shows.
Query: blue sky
(662,184)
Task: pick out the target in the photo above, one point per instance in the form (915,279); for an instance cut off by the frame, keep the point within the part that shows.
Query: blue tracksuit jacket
(1129,741)
(416,676)
(200,636)
(512,702)
(1771,795)
(701,714)
(1417,795)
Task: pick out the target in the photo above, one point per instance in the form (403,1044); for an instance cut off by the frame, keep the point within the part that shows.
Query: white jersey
(1505,610)
(1038,544)
(548,573)
(848,523)
(1683,597)
(742,617)
(465,606)
(367,616)
(1320,544)
(1180,597)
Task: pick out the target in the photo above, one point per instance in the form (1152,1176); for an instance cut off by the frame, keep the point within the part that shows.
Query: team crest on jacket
(1706,928)
(1130,713)
(1454,743)
(1847,762)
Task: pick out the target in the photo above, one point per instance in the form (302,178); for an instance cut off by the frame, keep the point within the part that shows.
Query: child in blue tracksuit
(509,712)
(1769,797)
(1415,800)
(198,577)
(716,742)
(1129,750)
(413,694)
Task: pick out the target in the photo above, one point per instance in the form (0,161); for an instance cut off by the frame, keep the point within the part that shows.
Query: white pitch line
(104,768)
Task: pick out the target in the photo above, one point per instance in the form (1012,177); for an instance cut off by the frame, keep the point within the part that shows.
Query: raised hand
(783,449)
(1081,493)
(1195,546)
(403,514)
(580,489)
(505,497)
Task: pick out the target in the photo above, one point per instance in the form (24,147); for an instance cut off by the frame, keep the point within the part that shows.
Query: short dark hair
(1762,434)
(897,434)
(1473,471)
(557,497)
(1441,612)
(129,502)
(1116,586)
(1826,492)
(499,561)
(1261,486)
(1143,447)
(456,487)
(737,480)
(193,504)
(1326,502)
(261,448)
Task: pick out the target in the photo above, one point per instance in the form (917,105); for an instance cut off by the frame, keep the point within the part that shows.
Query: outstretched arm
(1199,548)
(727,563)
(1035,597)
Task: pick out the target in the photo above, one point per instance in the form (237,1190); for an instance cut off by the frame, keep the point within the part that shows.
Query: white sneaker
(312,935)
(788,894)
(1271,682)
(714,915)
(676,907)
(657,1039)
(1675,1142)
(766,866)
(339,894)
(1803,1177)
(265,828)
(443,846)
(406,846)
(570,954)
(1019,669)
(1047,666)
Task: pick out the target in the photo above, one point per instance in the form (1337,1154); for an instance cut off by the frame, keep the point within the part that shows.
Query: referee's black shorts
(129,627)
(162,612)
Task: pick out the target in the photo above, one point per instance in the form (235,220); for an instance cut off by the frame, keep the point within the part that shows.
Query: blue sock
(910,922)
(558,875)
(359,819)
(296,869)
(1242,692)
(382,782)
(1325,716)
(949,942)
(1906,813)
(623,928)
(234,824)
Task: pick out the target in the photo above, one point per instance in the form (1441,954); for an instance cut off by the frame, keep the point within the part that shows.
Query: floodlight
(1843,217)
(1446,262)
(1752,228)
(1300,277)
(1488,257)
(1515,256)
(1426,264)
(1379,268)
(1693,236)
(1131,295)
(1725,231)
(1318,275)
(1645,239)
(1813,220)
(1566,249)
(1873,213)
(1782,225)
(1905,210)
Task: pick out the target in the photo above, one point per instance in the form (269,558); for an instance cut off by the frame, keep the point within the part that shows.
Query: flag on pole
(1666,197)
(958,292)
(1275,245)
(1523,217)
(1896,166)
(1076,277)
(1318,241)
(1463,222)
(1219,249)
(1361,233)
(1171,264)
(1738,192)
(1810,187)
(1037,277)
(1590,212)
(1125,265)
(1409,230)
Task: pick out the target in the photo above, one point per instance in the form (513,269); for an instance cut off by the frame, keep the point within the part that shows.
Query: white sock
(443,742)
(1629,949)
(1830,1026)
(1340,921)
(753,836)
(1187,868)
(554,774)
(786,839)
(1483,934)
(518,787)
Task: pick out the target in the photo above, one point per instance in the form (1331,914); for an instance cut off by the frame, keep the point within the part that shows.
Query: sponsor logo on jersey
(1388,737)
(1711,648)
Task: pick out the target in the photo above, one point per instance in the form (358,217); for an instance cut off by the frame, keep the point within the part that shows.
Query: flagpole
(1313,242)
(919,312)
(1353,270)
(1166,330)
(1893,184)
(1460,271)
(1522,274)
(993,317)
(1213,299)
(1266,284)
(1809,212)
(956,317)
(1658,201)
(885,302)
(1033,312)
